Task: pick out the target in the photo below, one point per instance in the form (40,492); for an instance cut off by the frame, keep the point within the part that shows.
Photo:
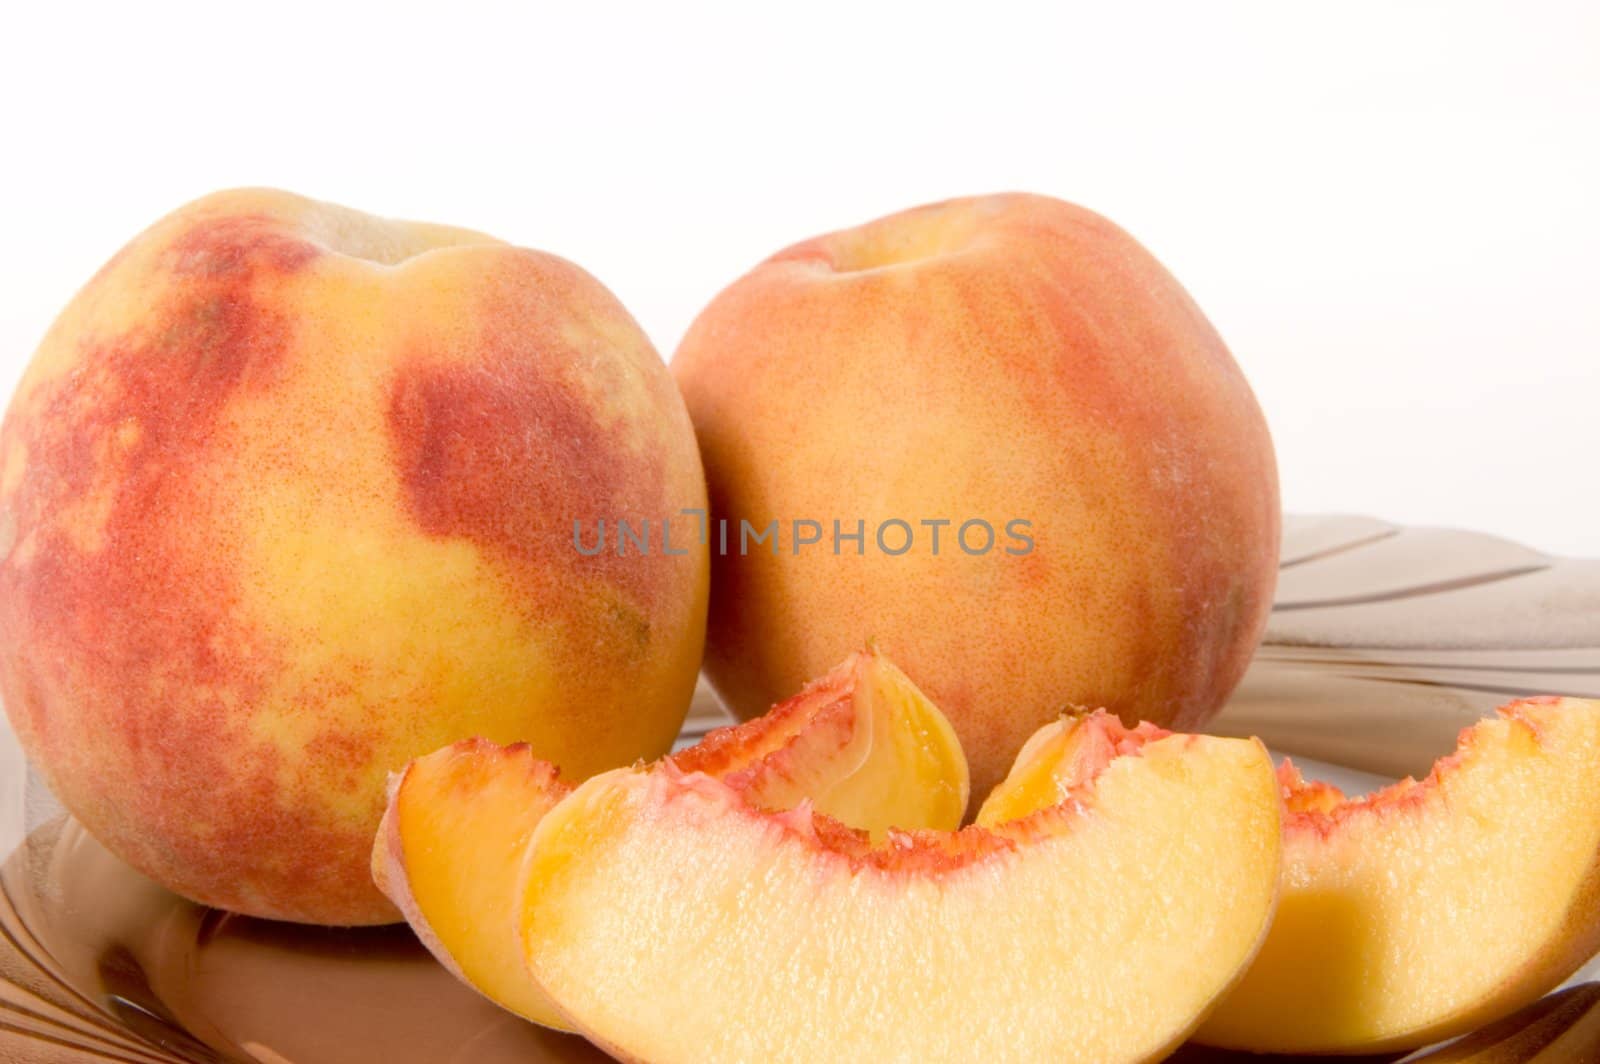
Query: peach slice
(1429,908)
(1058,757)
(1561,1027)
(1098,929)
(447,854)
(861,744)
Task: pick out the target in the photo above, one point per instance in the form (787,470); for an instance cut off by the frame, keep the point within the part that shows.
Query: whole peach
(288,498)
(1000,439)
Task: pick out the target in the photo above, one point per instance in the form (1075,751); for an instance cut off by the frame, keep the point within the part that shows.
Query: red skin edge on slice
(1321,808)
(924,852)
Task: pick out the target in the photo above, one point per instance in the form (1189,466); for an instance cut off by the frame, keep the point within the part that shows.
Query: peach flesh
(1041,938)
(861,744)
(450,841)
(1563,1028)
(1059,758)
(1434,906)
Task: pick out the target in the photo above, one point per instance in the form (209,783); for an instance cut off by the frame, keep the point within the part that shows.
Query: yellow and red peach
(994,360)
(672,920)
(287,498)
(861,745)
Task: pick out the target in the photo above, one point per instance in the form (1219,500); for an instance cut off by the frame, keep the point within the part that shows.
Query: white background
(1391,211)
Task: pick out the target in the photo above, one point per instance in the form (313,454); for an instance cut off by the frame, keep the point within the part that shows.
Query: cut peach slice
(1563,1027)
(1058,758)
(447,854)
(1098,929)
(1427,909)
(861,744)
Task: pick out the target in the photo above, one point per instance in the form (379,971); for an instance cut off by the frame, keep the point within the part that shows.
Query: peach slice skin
(1563,1027)
(861,743)
(1098,929)
(1432,907)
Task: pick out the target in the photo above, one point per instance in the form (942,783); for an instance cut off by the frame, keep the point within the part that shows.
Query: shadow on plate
(97,963)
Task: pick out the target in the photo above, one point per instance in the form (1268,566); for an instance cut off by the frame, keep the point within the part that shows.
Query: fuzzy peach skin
(1002,358)
(287,499)
(1431,907)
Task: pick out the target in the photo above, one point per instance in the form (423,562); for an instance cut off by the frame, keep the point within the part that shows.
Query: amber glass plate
(1384,643)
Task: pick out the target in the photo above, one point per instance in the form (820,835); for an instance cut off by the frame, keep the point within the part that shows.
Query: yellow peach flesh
(1563,1028)
(447,854)
(861,744)
(1432,907)
(1058,758)
(1100,929)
